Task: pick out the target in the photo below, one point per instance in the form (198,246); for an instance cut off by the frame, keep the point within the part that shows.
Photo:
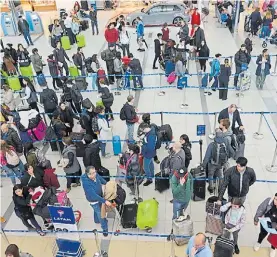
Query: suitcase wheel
(148,230)
(264,45)
(116,233)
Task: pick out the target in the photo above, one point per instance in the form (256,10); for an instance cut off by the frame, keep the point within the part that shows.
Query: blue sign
(62,214)
(201,130)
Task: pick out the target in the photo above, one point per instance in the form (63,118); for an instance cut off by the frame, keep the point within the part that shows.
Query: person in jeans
(23,28)
(124,40)
(237,179)
(181,184)
(68,25)
(92,185)
(93,18)
(266,209)
(60,56)
(36,60)
(21,199)
(215,71)
(130,115)
(148,151)
(136,69)
(70,164)
(263,68)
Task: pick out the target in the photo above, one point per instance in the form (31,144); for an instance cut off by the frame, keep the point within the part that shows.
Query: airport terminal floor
(199,111)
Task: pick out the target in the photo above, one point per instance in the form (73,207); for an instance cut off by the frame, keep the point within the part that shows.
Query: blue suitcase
(204,81)
(41,80)
(182,82)
(169,67)
(116,145)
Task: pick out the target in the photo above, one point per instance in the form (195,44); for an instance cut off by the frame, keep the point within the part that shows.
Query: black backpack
(87,104)
(234,142)
(122,114)
(50,101)
(83,116)
(239,135)
(164,133)
(50,134)
(121,195)
(219,154)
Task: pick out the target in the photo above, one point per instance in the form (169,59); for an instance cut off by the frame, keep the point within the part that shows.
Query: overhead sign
(201,130)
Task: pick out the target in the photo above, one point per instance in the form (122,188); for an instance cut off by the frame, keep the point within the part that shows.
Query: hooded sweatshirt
(148,149)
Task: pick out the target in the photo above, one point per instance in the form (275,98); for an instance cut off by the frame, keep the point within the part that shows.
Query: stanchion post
(212,134)
(258,134)
(239,94)
(161,93)
(273,166)
(171,238)
(5,236)
(184,104)
(274,73)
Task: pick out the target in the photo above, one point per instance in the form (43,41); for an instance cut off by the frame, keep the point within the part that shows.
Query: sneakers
(68,190)
(147,183)
(272,253)
(237,251)
(105,233)
(257,247)
(162,93)
(157,161)
(155,68)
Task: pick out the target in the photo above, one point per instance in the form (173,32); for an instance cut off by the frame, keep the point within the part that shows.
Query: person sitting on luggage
(67,116)
(266,209)
(33,177)
(57,30)
(182,187)
(233,115)
(198,246)
(79,61)
(92,185)
(215,158)
(148,151)
(92,152)
(186,146)
(234,219)
(237,179)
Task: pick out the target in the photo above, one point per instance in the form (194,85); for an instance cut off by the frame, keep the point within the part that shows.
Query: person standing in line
(148,151)
(111,35)
(60,56)
(267,209)
(79,61)
(36,60)
(108,56)
(215,71)
(158,50)
(118,70)
(23,28)
(67,116)
(198,37)
(54,71)
(140,34)
(198,247)
(23,56)
(57,31)
(30,94)
(107,100)
(94,21)
(49,100)
(128,113)
(186,146)
(136,69)
(263,68)
(195,20)
(92,185)
(12,53)
(8,97)
(124,40)
(223,79)
(68,25)
(238,180)
(204,53)
(179,67)
(70,164)
(165,34)
(92,152)
(184,31)
(255,19)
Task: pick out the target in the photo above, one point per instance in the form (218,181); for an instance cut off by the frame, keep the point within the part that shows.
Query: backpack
(234,142)
(12,159)
(103,55)
(82,117)
(122,114)
(50,102)
(239,135)
(50,134)
(219,154)
(165,133)
(165,164)
(94,125)
(158,139)
(86,103)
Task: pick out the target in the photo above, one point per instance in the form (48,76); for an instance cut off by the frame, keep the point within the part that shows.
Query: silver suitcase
(183,228)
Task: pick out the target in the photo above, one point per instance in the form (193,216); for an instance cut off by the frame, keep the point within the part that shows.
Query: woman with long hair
(186,146)
(266,23)
(13,251)
(30,93)
(23,56)
(9,63)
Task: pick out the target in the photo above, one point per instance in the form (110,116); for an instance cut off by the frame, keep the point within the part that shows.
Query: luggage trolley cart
(68,248)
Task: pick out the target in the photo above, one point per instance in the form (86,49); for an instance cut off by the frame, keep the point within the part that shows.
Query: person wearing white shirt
(124,41)
(68,25)
(30,94)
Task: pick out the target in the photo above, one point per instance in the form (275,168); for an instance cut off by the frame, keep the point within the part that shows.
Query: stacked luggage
(182,228)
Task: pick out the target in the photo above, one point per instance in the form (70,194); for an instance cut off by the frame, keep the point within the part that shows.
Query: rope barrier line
(270,128)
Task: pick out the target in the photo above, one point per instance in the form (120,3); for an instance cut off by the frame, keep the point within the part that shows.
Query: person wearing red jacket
(50,179)
(111,34)
(195,20)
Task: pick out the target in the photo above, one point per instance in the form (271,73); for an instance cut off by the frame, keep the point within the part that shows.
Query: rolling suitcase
(169,67)
(161,182)
(103,172)
(73,70)
(147,215)
(129,216)
(204,80)
(41,80)
(38,133)
(182,82)
(116,145)
(212,207)
(223,247)
(27,72)
(77,139)
(214,222)
(81,41)
(199,182)
(182,228)
(171,77)
(14,83)
(81,83)
(65,43)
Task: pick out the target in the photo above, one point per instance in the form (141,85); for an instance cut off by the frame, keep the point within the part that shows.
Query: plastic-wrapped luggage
(27,72)
(14,83)
(147,216)
(81,41)
(65,43)
(182,228)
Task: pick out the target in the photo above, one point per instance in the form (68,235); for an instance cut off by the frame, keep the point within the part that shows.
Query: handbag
(33,98)
(24,63)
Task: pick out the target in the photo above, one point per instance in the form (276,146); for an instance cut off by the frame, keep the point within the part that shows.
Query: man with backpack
(49,100)
(92,150)
(136,69)
(128,113)
(88,119)
(108,56)
(215,158)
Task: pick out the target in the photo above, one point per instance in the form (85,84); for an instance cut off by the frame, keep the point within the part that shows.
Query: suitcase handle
(162,118)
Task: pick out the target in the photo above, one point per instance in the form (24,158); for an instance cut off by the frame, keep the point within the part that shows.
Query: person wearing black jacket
(92,150)
(49,100)
(23,28)
(67,116)
(237,179)
(23,56)
(60,56)
(87,117)
(199,37)
(242,59)
(12,53)
(224,76)
(204,53)
(76,97)
(33,177)
(233,115)
(107,99)
(21,199)
(158,50)
(11,137)
(71,96)
(186,146)
(256,20)
(129,114)
(136,69)
(79,61)
(93,18)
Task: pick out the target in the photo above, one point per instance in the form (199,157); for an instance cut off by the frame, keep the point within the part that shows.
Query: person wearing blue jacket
(140,34)
(148,151)
(198,246)
(215,71)
(92,184)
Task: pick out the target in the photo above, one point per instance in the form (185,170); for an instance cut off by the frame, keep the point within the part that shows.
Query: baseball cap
(182,172)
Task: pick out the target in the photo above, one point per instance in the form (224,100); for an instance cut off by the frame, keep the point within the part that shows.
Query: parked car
(159,13)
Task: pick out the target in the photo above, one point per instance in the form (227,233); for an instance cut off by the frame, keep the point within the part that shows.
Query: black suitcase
(223,247)
(103,172)
(84,25)
(77,139)
(129,216)
(84,5)
(199,185)
(161,182)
